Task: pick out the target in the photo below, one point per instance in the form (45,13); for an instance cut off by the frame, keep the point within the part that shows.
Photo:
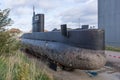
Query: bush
(8,44)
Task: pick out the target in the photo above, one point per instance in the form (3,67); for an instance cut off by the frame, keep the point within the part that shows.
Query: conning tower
(37,22)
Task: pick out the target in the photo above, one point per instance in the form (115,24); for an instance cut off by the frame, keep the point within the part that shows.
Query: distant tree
(7,42)
(4,19)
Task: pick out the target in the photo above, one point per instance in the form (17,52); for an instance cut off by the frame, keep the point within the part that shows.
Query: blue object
(92,74)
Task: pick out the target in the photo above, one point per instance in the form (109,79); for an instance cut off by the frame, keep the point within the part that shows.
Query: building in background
(109,19)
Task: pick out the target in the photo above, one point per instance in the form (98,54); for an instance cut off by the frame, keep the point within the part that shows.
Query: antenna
(79,22)
(33,10)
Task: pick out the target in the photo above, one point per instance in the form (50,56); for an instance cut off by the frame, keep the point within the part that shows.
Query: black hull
(68,56)
(83,49)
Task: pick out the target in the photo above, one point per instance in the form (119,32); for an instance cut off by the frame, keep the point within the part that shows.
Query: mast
(33,19)
(33,10)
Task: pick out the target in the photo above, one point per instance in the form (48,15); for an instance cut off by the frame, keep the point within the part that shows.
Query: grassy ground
(15,65)
(19,67)
(117,49)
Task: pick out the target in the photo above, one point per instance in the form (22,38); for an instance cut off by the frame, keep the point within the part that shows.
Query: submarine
(75,49)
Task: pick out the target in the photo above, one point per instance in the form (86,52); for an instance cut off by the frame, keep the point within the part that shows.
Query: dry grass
(19,67)
(14,65)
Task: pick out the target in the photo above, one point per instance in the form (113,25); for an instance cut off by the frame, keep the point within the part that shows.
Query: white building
(109,19)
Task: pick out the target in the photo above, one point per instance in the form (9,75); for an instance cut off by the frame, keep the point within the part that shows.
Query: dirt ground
(111,71)
(104,74)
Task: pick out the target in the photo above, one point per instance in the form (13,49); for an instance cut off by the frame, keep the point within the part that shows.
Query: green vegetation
(20,67)
(8,44)
(110,48)
(4,20)
(15,65)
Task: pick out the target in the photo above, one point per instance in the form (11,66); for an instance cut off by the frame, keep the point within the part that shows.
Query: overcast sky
(71,12)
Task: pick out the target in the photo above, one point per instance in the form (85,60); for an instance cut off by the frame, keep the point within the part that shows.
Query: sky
(71,12)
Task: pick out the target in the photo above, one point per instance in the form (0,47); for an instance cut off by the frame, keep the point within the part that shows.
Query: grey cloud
(60,11)
(15,3)
(85,14)
(21,11)
(25,6)
(49,4)
(81,1)
(45,4)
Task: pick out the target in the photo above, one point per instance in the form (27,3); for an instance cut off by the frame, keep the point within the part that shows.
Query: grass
(15,65)
(110,48)
(19,67)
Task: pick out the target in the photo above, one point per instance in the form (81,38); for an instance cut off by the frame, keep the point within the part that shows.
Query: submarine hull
(68,56)
(80,49)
